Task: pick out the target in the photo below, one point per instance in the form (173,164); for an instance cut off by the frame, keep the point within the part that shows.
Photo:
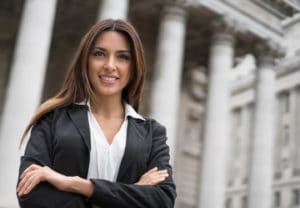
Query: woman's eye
(99,53)
(124,56)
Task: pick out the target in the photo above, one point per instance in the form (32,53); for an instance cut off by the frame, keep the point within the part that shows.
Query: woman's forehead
(112,39)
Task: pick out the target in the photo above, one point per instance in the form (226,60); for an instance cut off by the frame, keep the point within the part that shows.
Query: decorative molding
(242,189)
(254,25)
(291,21)
(239,86)
(223,31)
(183,4)
(227,24)
(283,8)
(276,30)
(197,84)
(288,66)
(175,9)
(266,51)
(295,181)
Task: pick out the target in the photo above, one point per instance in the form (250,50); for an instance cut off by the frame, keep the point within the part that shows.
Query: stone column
(261,167)
(296,120)
(245,147)
(216,137)
(114,9)
(168,67)
(24,89)
(293,128)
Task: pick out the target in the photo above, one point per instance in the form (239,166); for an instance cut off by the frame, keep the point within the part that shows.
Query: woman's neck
(109,108)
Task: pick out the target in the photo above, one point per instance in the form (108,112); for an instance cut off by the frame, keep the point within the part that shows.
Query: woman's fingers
(153,170)
(35,174)
(23,180)
(158,177)
(25,184)
(29,179)
(30,168)
(153,177)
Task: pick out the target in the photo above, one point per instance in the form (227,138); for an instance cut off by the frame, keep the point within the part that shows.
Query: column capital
(175,9)
(267,51)
(224,28)
(180,3)
(113,9)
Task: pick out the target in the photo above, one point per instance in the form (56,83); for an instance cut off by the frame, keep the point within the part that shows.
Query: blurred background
(223,77)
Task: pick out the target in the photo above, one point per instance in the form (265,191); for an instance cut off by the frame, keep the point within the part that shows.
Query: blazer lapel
(78,115)
(136,132)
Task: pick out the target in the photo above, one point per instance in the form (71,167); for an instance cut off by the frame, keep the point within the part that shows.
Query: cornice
(282,8)
(291,21)
(288,66)
(253,25)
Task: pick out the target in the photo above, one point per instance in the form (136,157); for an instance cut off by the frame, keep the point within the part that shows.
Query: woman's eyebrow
(118,51)
(123,51)
(100,48)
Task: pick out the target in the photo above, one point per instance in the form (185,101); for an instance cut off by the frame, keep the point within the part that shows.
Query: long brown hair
(77,87)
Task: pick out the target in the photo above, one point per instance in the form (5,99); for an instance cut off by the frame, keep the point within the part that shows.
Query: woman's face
(110,64)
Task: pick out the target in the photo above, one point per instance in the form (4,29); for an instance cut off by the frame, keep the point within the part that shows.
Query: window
(238,114)
(244,202)
(286,102)
(296,197)
(277,199)
(286,135)
(237,148)
(228,203)
(237,133)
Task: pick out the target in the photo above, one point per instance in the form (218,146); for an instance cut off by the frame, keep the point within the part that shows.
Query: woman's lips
(108,79)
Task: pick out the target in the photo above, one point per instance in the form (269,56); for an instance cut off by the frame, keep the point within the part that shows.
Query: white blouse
(105,158)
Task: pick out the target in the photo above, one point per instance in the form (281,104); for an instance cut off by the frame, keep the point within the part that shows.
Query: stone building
(223,76)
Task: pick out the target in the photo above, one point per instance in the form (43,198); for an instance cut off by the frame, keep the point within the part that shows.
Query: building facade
(223,77)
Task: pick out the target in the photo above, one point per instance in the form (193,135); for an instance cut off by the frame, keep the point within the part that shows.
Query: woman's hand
(153,177)
(35,174)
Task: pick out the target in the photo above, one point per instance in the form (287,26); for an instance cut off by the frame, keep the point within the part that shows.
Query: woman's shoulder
(156,127)
(60,111)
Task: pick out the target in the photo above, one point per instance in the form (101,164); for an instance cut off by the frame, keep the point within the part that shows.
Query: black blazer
(61,140)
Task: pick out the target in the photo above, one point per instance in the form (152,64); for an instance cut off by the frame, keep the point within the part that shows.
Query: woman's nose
(110,64)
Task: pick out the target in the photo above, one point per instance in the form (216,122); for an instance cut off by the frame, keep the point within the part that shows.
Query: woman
(88,145)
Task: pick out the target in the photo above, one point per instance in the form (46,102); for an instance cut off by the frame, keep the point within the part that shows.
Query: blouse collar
(129,110)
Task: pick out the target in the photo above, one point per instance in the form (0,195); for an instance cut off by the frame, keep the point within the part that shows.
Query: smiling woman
(110,65)
(88,145)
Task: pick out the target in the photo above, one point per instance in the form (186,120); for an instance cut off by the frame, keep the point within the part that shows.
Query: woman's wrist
(58,180)
(73,184)
(79,185)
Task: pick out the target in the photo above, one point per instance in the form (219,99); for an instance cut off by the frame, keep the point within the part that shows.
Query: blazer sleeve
(38,151)
(121,195)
